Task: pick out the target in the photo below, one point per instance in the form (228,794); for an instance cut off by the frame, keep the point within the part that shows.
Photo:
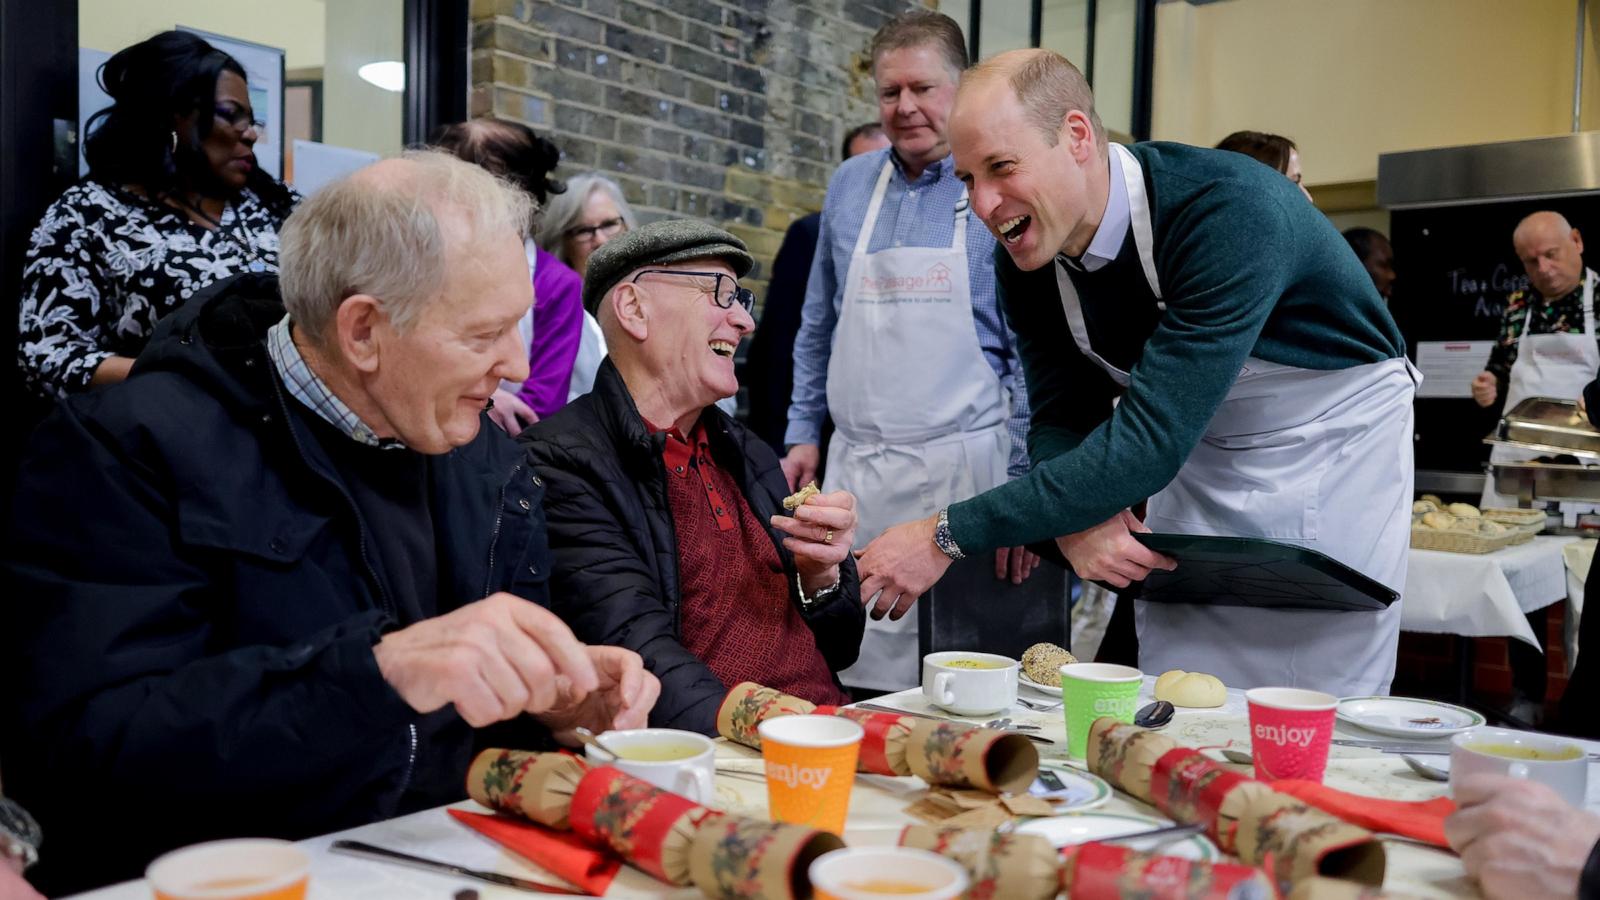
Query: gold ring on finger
(828,538)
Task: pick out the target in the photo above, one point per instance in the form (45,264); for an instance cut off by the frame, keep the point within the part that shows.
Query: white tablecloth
(877,813)
(1484,595)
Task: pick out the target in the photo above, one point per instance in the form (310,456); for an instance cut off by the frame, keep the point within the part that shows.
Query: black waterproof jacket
(190,609)
(616,552)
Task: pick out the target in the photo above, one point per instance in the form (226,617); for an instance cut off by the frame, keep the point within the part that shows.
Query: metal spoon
(1037,706)
(1237,756)
(1005,724)
(1154,715)
(1432,773)
(589,739)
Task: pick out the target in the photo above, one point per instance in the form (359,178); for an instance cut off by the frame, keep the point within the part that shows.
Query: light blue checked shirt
(913,215)
(305,386)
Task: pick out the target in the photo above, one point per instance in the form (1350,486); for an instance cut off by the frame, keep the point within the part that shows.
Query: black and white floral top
(105,265)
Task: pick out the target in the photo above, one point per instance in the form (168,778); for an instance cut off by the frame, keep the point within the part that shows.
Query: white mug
(690,774)
(1568,777)
(969,691)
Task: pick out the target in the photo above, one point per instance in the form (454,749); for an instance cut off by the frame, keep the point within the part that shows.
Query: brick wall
(729,110)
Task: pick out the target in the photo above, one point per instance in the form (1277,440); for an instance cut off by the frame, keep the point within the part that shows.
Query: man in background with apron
(1547,348)
(1196,333)
(900,338)
(1547,345)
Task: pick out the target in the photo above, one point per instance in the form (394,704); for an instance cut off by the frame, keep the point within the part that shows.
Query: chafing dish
(1529,481)
(1548,425)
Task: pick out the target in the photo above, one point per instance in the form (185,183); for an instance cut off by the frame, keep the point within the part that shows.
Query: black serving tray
(1235,571)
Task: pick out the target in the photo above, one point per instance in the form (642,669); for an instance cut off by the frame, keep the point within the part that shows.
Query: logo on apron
(908,288)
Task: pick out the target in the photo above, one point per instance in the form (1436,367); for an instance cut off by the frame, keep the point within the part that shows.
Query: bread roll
(1464,510)
(1195,690)
(1434,499)
(1439,520)
(1424,506)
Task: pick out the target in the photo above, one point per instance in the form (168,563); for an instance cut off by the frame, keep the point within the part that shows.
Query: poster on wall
(90,98)
(263,67)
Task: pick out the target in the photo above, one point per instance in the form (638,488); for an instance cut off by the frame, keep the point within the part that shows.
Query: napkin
(1419,819)
(562,853)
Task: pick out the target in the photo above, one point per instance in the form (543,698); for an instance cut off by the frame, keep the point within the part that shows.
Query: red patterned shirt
(735,604)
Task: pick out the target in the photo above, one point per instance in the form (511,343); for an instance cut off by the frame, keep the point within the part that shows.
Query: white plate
(1081,828)
(1030,684)
(1407,717)
(1084,790)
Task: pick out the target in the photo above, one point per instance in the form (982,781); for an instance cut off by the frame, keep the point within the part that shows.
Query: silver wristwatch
(19,834)
(823,594)
(941,536)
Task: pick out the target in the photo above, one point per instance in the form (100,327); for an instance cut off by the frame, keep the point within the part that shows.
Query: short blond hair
(1048,86)
(390,236)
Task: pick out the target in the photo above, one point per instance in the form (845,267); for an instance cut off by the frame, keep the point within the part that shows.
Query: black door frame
(438,66)
(38,102)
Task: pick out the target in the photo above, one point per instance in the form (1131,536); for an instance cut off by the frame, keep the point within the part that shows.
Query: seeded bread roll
(1042,663)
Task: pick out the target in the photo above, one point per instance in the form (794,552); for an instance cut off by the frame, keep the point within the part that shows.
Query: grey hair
(566,209)
(390,236)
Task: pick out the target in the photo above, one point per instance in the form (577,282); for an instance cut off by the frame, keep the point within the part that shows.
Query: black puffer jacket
(189,610)
(616,552)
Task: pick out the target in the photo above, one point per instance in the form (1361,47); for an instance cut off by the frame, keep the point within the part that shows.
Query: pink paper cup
(1289,732)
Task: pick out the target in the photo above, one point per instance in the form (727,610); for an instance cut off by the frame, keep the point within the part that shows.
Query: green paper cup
(1092,690)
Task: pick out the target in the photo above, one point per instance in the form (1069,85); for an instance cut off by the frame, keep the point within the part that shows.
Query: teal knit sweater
(1247,268)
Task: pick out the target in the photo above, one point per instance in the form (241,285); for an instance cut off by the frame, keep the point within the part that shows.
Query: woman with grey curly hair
(578,222)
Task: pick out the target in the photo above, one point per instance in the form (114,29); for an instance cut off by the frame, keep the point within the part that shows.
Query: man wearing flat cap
(666,516)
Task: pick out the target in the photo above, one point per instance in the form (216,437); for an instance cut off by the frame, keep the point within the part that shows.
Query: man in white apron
(1541,352)
(900,333)
(1194,333)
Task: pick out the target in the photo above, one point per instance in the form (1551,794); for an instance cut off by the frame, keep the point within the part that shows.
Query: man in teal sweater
(1194,333)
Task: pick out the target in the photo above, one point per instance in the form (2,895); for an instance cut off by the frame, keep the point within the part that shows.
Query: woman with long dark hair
(174,201)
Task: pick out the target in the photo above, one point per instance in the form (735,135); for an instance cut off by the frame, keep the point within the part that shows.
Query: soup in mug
(974,664)
(662,751)
(1513,751)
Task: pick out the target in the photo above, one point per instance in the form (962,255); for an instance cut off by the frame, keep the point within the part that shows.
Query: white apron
(1328,466)
(1548,365)
(919,414)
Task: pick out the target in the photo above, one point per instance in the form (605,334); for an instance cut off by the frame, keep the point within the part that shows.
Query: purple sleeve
(557,329)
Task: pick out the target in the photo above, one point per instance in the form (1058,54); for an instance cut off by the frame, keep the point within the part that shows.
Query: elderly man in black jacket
(272,583)
(666,516)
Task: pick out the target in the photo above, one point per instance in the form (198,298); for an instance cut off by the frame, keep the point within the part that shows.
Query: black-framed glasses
(240,118)
(723,297)
(587,234)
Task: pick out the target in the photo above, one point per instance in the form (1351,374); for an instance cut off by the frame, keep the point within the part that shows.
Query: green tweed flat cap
(659,243)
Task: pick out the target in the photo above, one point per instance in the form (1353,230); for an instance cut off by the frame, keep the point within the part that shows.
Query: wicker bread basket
(1460,541)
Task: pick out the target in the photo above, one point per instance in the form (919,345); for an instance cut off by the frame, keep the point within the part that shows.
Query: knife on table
(382,854)
(1037,739)
(1431,749)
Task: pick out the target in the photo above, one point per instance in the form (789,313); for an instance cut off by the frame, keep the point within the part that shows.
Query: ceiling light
(389,74)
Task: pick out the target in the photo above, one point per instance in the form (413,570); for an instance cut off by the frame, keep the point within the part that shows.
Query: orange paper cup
(811,766)
(248,869)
